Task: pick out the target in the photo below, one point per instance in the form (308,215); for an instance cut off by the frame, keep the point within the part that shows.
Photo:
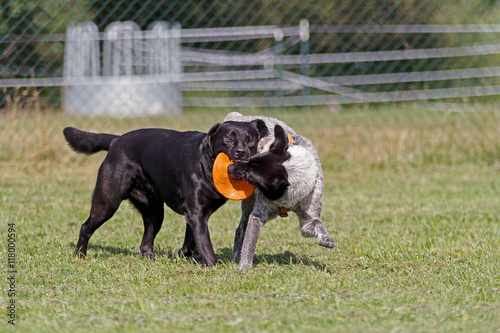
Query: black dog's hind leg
(246,209)
(101,211)
(97,218)
(108,195)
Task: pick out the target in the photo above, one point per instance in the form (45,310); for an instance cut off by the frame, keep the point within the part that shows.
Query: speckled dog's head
(266,170)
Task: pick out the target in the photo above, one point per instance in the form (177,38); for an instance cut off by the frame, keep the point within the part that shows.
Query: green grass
(412,199)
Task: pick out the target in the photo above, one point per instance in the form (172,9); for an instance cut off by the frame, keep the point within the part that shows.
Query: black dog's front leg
(198,224)
(189,244)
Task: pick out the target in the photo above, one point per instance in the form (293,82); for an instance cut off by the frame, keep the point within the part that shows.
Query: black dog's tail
(86,142)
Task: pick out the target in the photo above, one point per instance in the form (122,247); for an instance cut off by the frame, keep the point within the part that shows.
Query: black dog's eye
(249,141)
(228,138)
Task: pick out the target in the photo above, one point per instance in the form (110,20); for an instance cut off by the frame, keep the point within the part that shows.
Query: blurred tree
(22,22)
(23,25)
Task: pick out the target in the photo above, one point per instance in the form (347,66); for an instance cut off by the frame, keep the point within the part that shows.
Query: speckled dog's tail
(86,142)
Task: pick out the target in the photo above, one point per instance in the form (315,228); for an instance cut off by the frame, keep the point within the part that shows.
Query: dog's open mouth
(238,160)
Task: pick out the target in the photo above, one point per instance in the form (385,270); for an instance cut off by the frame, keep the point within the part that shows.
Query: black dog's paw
(149,255)
(180,254)
(80,254)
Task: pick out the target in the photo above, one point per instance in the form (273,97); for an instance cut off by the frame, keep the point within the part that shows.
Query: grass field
(412,199)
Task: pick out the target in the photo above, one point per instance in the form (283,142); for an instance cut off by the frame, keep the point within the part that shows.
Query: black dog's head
(238,140)
(266,171)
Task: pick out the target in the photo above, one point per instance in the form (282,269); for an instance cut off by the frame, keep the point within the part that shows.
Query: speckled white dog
(297,187)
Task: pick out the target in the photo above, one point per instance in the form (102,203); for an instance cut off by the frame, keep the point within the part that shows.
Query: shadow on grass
(282,259)
(224,255)
(106,251)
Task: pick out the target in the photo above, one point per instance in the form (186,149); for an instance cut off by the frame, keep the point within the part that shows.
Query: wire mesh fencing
(115,66)
(143,58)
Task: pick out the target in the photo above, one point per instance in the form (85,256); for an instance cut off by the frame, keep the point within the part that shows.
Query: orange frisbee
(230,187)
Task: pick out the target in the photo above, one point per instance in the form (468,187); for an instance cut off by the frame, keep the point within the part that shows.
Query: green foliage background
(31,32)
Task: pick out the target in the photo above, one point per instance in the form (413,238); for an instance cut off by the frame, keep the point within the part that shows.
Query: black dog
(155,166)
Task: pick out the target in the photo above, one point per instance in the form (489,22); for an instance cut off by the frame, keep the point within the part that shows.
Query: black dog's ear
(261,127)
(280,144)
(211,136)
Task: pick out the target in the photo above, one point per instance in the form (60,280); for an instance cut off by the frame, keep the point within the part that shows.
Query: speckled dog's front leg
(316,228)
(311,225)
(322,235)
(246,209)
(250,242)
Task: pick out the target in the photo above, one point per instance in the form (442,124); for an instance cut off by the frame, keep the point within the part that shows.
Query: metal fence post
(278,37)
(304,52)
(352,54)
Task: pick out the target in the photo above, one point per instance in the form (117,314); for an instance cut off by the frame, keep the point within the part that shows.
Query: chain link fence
(145,58)
(365,81)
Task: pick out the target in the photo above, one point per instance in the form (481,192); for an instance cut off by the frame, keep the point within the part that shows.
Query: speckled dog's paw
(326,241)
